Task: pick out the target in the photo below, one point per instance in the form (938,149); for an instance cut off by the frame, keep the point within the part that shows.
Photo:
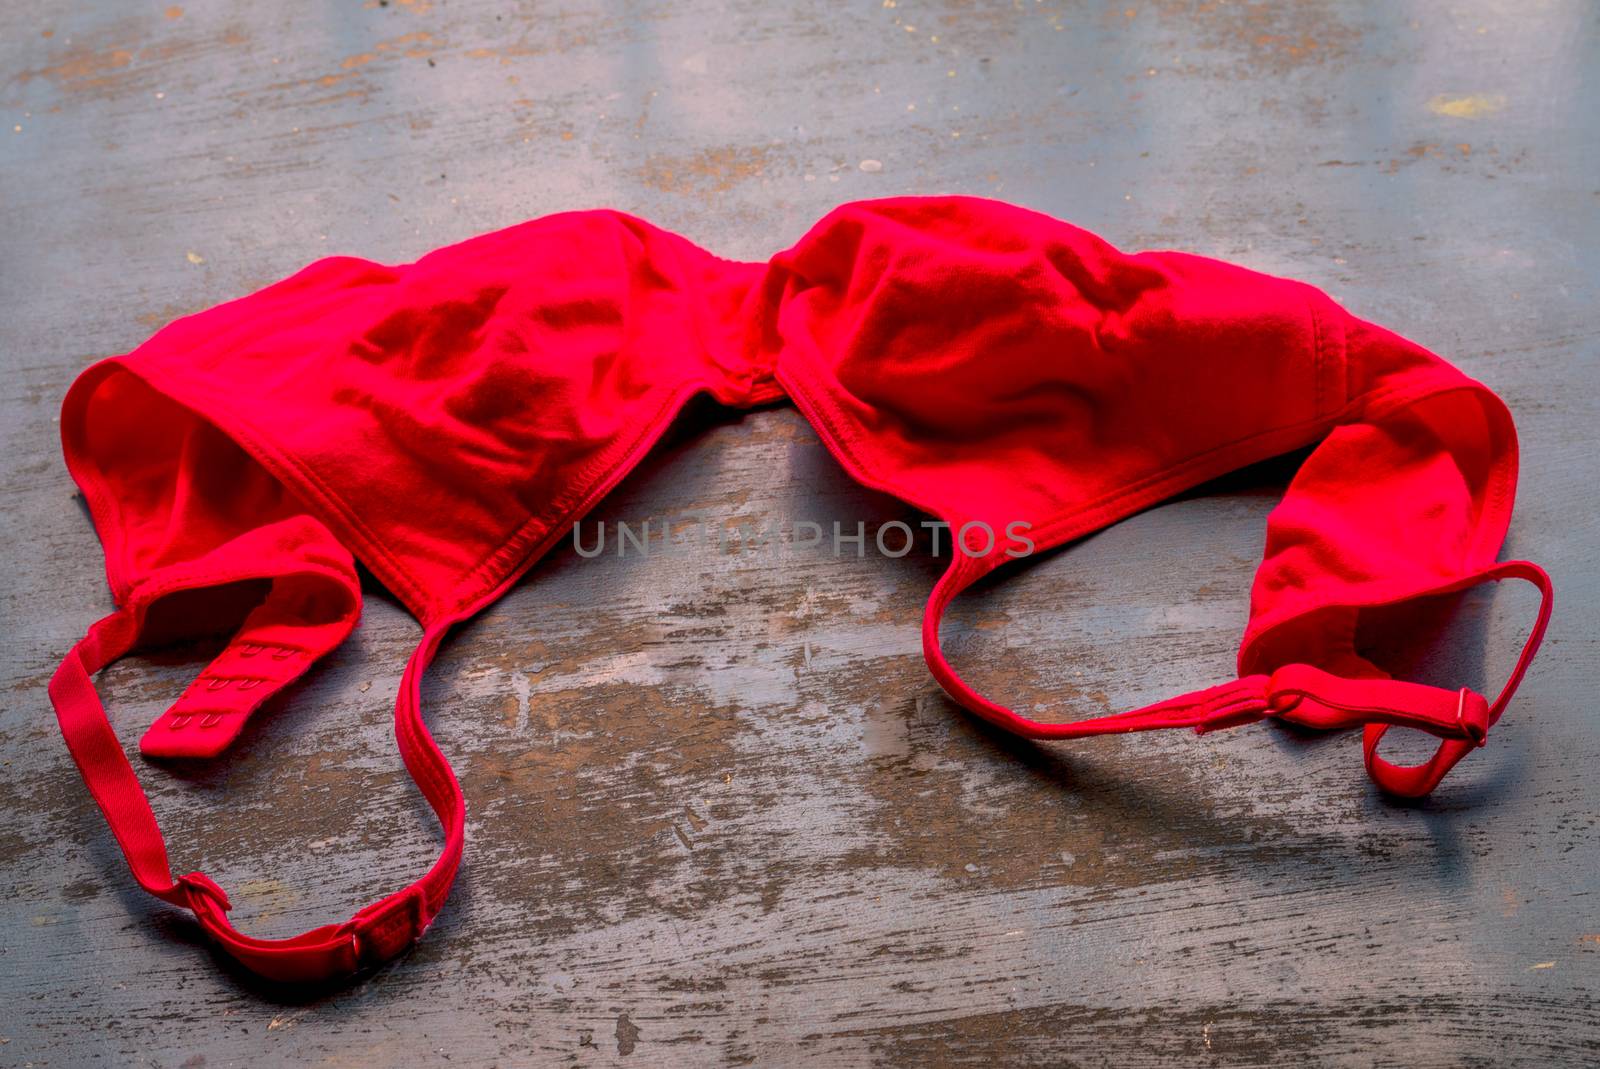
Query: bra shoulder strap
(1414,781)
(1242,701)
(374,934)
(1298,693)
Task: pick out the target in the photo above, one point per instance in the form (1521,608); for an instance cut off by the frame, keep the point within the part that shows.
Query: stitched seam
(596,478)
(846,440)
(575,490)
(330,500)
(821,406)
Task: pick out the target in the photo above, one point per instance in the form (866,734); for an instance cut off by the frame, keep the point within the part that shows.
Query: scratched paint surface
(719,811)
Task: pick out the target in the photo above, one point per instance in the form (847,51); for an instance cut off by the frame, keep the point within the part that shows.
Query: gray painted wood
(719,811)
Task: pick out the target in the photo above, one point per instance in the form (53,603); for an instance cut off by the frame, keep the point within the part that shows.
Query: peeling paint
(1471,106)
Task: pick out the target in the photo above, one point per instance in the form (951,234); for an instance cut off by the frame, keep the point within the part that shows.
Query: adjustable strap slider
(1472,716)
(1244,701)
(388,927)
(1313,698)
(204,895)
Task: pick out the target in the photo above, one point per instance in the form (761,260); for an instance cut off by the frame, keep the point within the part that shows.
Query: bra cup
(1039,372)
(983,362)
(448,415)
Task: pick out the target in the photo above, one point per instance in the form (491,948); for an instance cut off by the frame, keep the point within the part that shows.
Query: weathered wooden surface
(719,810)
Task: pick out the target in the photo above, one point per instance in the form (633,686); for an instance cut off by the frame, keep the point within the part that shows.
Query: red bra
(447,421)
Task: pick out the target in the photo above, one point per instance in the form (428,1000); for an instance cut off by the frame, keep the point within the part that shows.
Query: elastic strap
(1241,701)
(1297,693)
(375,934)
(1414,781)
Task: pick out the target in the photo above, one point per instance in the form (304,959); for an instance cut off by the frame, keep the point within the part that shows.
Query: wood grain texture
(720,814)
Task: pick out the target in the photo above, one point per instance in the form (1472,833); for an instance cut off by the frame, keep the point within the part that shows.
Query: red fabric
(446,421)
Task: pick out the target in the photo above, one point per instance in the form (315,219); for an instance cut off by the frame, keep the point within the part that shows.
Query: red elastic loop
(204,894)
(1414,781)
(1297,693)
(374,935)
(387,928)
(1306,695)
